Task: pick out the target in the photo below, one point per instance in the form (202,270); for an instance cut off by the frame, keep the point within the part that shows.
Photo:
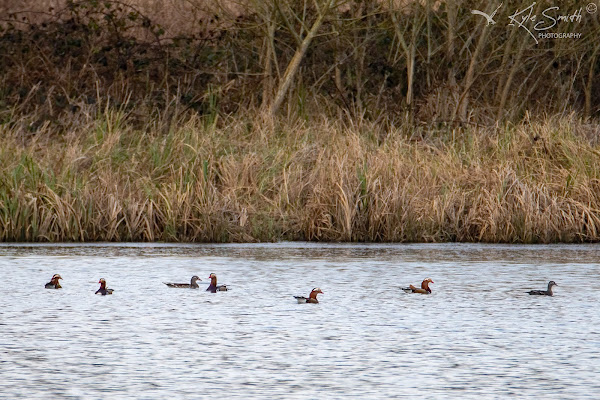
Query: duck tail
(301,299)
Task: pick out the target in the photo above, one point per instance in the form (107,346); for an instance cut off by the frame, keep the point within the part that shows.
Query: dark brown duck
(192,285)
(544,292)
(103,289)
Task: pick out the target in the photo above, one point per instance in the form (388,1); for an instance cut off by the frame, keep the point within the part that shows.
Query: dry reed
(531,183)
(392,121)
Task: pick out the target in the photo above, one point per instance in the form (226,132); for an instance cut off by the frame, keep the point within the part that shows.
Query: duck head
(102,283)
(425,284)
(196,278)
(314,293)
(213,279)
(55,278)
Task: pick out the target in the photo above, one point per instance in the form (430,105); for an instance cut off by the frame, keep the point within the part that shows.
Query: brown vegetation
(536,182)
(431,62)
(284,120)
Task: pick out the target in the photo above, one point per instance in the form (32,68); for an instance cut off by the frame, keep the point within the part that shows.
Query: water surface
(478,336)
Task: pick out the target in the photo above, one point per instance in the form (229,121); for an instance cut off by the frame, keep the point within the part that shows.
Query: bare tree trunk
(359,64)
(268,63)
(428,11)
(589,84)
(463,102)
(294,64)
(338,60)
(410,52)
(515,67)
(451,11)
(507,55)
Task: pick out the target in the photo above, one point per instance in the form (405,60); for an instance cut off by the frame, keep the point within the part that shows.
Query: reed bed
(260,180)
(223,121)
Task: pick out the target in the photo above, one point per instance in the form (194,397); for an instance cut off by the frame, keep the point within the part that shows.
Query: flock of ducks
(103,290)
(312,297)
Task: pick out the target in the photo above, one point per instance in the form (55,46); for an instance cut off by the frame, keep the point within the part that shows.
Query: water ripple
(479,335)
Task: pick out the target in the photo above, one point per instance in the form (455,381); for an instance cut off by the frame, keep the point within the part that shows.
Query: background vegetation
(315,120)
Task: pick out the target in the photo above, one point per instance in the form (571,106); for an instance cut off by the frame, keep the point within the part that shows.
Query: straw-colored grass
(224,121)
(253,181)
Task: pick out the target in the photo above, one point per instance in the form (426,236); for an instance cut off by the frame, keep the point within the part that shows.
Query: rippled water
(479,335)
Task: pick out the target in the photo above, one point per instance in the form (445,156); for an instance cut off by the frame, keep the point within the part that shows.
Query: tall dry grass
(536,182)
(316,120)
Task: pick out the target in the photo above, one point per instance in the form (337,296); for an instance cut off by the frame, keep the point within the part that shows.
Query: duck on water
(312,297)
(544,292)
(54,283)
(424,289)
(192,285)
(213,287)
(103,289)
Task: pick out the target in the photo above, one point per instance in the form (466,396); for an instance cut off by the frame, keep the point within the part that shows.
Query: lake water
(478,336)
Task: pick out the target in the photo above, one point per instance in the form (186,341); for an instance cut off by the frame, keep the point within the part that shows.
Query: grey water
(479,335)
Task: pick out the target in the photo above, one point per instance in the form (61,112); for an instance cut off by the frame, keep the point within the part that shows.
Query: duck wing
(538,292)
(414,289)
(301,299)
(177,285)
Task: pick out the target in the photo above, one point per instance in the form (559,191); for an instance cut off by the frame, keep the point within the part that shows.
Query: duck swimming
(544,292)
(103,290)
(213,288)
(54,284)
(425,289)
(192,285)
(312,297)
